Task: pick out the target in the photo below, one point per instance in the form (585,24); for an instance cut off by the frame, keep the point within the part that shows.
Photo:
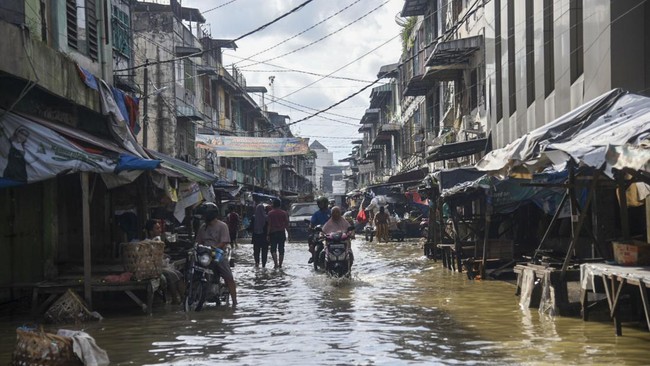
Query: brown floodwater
(399,308)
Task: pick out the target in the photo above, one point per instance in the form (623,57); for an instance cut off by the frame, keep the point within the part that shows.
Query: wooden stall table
(56,288)
(614,279)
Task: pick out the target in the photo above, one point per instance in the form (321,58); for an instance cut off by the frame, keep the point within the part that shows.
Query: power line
(235,40)
(342,67)
(322,38)
(218,7)
(296,35)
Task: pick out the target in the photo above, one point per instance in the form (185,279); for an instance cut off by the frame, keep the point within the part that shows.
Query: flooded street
(399,308)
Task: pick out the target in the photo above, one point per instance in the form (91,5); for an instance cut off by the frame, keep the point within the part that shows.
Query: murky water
(399,308)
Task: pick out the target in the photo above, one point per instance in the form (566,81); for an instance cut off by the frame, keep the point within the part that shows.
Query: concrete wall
(55,72)
(154,40)
(613,57)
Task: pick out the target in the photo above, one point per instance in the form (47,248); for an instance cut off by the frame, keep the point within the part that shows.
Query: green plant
(406,32)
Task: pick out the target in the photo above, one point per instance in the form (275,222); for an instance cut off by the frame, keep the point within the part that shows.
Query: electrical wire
(322,38)
(296,35)
(262,27)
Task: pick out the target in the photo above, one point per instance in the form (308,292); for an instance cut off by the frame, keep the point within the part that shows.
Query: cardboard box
(631,253)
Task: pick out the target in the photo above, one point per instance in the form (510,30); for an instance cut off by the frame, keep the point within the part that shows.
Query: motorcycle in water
(316,241)
(369,232)
(335,257)
(202,280)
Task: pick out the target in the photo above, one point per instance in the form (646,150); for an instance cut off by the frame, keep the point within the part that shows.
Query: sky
(361,27)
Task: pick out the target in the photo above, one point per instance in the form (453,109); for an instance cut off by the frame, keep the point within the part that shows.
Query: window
(530,50)
(473,89)
(512,76)
(497,61)
(227,105)
(549,52)
(121,32)
(576,40)
(81,25)
(188,77)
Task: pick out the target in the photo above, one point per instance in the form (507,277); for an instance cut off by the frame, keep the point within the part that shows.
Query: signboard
(252,147)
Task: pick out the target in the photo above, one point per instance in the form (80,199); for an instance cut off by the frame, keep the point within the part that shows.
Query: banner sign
(30,152)
(252,147)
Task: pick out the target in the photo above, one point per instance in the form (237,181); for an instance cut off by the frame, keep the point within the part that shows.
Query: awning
(379,94)
(609,131)
(388,71)
(457,150)
(412,176)
(365,127)
(357,142)
(448,178)
(188,170)
(371,116)
(43,150)
(414,8)
(423,83)
(456,52)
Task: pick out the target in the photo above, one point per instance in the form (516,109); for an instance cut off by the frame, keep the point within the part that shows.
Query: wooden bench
(54,289)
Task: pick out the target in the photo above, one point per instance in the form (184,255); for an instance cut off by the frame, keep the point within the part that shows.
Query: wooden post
(647,220)
(85,217)
(486,232)
(457,241)
(581,221)
(622,202)
(550,225)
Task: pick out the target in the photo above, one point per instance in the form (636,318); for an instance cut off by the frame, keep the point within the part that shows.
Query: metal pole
(85,217)
(145,112)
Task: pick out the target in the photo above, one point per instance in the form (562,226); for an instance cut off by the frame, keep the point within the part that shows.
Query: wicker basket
(143,259)
(69,308)
(37,348)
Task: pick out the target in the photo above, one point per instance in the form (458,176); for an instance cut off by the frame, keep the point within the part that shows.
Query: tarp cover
(617,122)
(31,152)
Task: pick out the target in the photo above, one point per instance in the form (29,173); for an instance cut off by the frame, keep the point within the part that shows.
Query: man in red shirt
(278,222)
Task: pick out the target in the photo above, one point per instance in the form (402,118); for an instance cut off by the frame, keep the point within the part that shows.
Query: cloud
(335,51)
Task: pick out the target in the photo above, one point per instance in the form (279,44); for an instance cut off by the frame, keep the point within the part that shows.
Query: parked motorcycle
(335,258)
(202,280)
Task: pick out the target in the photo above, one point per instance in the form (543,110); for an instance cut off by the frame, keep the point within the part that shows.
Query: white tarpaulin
(30,153)
(608,123)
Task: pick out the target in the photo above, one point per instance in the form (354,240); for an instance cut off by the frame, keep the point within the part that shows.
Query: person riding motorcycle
(338,224)
(319,217)
(214,233)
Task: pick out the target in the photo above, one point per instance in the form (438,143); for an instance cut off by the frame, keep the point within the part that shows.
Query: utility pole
(145,116)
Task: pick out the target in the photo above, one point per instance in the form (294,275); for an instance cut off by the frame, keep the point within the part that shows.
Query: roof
(414,7)
(454,52)
(610,131)
(457,150)
(317,146)
(388,71)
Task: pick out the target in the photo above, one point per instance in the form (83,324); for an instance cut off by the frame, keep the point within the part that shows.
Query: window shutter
(71,13)
(91,24)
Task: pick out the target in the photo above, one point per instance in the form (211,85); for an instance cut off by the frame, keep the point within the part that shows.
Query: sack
(361,217)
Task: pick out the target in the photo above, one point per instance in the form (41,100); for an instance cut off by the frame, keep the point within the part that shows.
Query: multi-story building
(323,158)
(478,74)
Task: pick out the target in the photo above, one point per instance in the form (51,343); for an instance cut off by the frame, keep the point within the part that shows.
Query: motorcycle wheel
(195,296)
(224,295)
